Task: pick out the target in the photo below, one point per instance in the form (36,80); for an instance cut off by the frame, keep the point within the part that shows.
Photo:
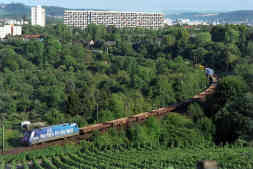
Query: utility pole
(97,112)
(154,107)
(2,134)
(106,50)
(127,108)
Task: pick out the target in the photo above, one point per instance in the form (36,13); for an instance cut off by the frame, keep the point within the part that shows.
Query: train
(209,72)
(50,133)
(62,131)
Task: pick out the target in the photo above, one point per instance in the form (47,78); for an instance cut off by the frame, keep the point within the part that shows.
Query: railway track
(86,131)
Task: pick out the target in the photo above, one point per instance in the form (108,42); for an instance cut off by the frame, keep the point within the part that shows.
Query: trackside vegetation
(104,73)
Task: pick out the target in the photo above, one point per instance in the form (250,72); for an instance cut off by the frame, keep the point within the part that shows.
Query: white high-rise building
(10,30)
(38,16)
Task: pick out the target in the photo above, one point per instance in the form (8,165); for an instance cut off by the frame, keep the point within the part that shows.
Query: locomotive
(209,71)
(50,133)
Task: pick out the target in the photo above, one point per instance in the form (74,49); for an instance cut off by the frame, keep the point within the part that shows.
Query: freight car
(140,117)
(94,127)
(164,110)
(117,122)
(50,133)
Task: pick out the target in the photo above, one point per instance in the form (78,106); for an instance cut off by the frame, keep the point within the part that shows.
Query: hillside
(62,79)
(226,17)
(17,10)
(238,16)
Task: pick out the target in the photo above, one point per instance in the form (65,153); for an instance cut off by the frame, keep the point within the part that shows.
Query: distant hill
(54,11)
(14,10)
(226,17)
(238,16)
(17,10)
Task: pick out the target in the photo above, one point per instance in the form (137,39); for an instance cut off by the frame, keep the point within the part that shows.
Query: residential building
(10,30)
(81,19)
(168,22)
(15,22)
(38,16)
(189,22)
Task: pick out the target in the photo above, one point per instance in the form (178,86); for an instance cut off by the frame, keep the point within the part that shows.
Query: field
(142,157)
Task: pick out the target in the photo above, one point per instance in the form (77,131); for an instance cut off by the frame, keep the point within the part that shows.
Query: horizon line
(118,9)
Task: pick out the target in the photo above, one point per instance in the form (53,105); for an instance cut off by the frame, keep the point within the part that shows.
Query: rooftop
(69,10)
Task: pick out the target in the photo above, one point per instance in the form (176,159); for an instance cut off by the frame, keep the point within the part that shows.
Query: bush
(180,131)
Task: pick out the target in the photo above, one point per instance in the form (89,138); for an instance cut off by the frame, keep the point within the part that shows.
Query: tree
(250,48)
(201,120)
(69,61)
(73,104)
(96,32)
(218,33)
(202,38)
(231,35)
(198,55)
(52,51)
(138,135)
(64,32)
(182,37)
(154,129)
(180,131)
(228,89)
(126,48)
(230,124)
(9,59)
(243,39)
(34,51)
(163,90)
(169,43)
(117,105)
(232,54)
(54,117)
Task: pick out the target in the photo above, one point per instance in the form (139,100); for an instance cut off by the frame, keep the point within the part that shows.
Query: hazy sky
(145,4)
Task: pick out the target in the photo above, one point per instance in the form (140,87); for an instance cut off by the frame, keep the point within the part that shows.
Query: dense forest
(61,77)
(104,73)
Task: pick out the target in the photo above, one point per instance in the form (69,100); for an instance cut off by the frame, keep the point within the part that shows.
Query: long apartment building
(81,19)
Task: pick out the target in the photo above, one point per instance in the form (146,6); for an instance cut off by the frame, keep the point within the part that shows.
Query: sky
(145,5)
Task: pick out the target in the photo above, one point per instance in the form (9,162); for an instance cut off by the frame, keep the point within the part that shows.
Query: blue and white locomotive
(209,71)
(50,133)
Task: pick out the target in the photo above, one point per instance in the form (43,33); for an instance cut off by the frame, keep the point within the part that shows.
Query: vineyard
(142,157)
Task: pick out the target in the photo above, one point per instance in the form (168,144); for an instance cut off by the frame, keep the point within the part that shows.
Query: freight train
(61,131)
